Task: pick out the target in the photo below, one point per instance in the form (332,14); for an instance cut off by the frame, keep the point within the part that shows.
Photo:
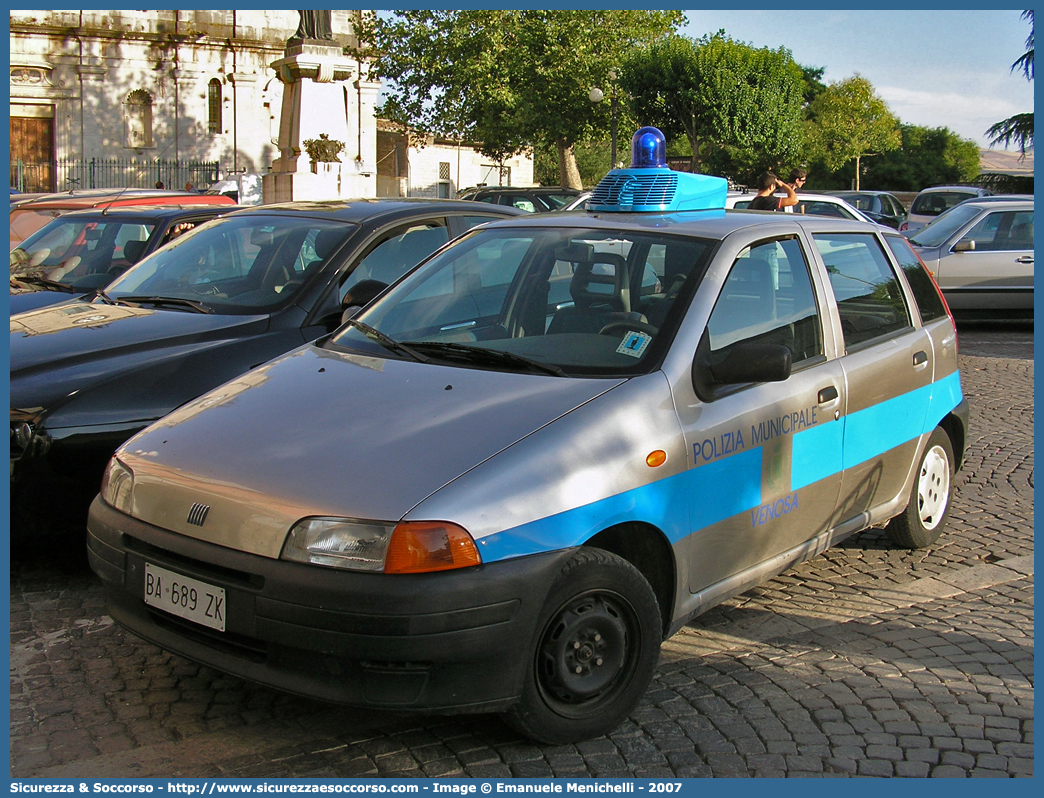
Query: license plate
(185,597)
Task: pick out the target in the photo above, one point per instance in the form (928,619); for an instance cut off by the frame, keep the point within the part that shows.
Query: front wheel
(924,518)
(595,654)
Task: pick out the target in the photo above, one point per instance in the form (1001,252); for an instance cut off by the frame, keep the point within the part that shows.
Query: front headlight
(339,543)
(117,485)
(408,547)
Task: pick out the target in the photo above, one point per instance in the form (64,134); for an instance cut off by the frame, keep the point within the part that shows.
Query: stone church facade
(197,87)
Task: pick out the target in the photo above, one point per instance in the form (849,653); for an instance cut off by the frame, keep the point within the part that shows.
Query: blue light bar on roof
(650,186)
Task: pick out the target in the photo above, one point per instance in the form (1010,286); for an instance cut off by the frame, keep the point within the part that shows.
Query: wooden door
(32,144)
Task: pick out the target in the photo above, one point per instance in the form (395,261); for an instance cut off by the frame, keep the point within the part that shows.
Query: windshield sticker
(634,343)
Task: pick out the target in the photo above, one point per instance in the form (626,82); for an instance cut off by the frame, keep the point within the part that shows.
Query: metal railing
(65,174)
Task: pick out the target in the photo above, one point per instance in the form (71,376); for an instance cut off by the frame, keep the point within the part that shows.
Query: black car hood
(59,351)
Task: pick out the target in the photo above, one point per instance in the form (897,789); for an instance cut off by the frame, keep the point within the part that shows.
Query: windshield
(79,252)
(939,230)
(548,300)
(26,221)
(237,264)
(861,202)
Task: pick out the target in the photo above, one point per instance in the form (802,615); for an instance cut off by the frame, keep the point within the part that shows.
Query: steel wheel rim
(588,653)
(933,487)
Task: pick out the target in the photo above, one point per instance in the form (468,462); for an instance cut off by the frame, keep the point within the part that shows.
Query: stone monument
(326,100)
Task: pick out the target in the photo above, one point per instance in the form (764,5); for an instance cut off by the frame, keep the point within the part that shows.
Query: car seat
(601,294)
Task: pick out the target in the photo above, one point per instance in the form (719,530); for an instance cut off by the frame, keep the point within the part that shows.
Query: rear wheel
(596,652)
(923,521)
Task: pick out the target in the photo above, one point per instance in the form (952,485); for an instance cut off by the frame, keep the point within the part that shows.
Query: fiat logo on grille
(198,514)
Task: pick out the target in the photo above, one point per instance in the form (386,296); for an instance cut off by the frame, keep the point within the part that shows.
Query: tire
(925,517)
(594,654)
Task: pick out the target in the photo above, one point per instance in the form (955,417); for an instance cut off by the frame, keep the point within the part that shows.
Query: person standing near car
(797,179)
(766,199)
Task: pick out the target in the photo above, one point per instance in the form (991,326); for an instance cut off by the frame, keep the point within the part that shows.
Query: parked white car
(812,204)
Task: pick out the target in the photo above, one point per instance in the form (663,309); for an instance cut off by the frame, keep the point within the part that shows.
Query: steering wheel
(615,327)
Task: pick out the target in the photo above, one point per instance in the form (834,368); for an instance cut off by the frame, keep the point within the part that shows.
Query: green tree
(1018,128)
(738,106)
(507,80)
(849,121)
(926,157)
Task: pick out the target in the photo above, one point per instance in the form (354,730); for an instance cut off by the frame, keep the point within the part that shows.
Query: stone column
(318,97)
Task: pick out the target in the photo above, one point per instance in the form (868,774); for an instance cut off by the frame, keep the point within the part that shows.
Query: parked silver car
(934,201)
(981,255)
(473,497)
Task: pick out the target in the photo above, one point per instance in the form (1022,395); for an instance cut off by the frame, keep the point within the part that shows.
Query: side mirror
(360,295)
(743,363)
(964,246)
(751,362)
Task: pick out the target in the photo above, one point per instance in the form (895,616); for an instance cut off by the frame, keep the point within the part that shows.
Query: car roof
(78,202)
(142,212)
(363,209)
(973,189)
(517,189)
(705,224)
(853,193)
(983,202)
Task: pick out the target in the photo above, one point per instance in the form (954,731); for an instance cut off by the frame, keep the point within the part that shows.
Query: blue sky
(933,68)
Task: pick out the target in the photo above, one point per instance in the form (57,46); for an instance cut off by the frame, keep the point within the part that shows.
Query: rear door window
(869,298)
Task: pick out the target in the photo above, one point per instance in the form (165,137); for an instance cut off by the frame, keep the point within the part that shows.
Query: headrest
(133,250)
(327,241)
(600,281)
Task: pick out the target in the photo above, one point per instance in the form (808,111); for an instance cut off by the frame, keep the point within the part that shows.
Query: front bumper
(449,641)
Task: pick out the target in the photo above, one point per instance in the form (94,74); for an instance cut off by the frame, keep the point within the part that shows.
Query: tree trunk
(857,173)
(568,172)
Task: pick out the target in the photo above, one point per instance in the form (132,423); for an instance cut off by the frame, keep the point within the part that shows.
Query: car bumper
(449,641)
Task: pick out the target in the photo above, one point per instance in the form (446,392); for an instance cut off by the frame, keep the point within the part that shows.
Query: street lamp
(596,95)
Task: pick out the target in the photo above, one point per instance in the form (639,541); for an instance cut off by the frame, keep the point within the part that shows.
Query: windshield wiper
(475,354)
(173,301)
(388,342)
(50,285)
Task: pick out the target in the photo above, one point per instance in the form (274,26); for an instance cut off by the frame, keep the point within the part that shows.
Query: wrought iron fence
(62,175)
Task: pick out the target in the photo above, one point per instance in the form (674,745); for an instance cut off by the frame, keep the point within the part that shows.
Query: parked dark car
(532,199)
(83,251)
(30,215)
(218,301)
(882,207)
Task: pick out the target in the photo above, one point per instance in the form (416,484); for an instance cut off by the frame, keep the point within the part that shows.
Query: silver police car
(503,483)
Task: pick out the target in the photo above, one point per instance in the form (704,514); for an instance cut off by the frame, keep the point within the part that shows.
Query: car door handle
(920,360)
(827,395)
(1024,259)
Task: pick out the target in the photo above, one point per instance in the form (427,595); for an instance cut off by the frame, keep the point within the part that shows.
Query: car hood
(322,433)
(60,350)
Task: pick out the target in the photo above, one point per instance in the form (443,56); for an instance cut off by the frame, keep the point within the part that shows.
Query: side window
(867,291)
(474,221)
(768,298)
(1004,230)
(925,294)
(397,252)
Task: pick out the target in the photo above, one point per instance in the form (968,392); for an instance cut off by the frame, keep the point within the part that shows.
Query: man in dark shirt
(766,199)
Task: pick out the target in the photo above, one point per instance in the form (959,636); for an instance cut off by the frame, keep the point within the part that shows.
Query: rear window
(935,202)
(925,294)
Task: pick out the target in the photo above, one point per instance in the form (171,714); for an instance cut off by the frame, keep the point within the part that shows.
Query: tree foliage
(508,80)
(1018,128)
(738,106)
(926,157)
(849,121)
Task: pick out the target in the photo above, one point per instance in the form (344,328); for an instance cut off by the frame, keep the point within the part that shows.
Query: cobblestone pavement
(868,660)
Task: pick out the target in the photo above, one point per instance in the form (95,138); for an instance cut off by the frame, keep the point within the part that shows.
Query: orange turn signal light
(423,546)
(656,459)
